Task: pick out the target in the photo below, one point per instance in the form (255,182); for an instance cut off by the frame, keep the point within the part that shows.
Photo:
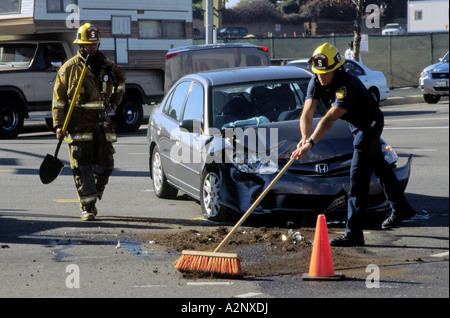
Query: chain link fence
(400,58)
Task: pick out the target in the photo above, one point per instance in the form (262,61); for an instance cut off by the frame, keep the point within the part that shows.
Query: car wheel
(161,187)
(209,195)
(431,99)
(49,124)
(11,118)
(129,114)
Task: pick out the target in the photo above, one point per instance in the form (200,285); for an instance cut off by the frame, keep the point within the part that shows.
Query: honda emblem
(322,168)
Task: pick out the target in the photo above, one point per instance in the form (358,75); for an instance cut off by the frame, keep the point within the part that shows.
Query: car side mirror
(57,64)
(191,125)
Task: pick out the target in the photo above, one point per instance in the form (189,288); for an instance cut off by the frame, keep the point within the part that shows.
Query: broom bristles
(209,262)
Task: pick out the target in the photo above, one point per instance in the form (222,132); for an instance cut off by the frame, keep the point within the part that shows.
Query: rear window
(20,54)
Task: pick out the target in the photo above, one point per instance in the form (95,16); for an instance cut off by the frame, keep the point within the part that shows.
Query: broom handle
(75,96)
(255,204)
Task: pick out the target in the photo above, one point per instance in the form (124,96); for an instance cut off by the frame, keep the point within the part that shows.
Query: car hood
(440,67)
(279,140)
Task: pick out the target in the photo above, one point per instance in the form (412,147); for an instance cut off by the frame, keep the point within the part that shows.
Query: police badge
(341,92)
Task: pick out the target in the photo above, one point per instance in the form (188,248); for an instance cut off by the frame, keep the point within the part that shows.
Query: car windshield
(247,104)
(17,55)
(445,58)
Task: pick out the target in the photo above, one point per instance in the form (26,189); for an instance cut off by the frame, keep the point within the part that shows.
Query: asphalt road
(47,251)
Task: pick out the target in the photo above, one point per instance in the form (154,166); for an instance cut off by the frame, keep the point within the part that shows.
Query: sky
(231,3)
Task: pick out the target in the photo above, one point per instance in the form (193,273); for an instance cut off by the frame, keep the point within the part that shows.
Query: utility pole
(209,21)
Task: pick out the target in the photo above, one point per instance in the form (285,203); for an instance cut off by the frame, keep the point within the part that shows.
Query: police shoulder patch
(341,92)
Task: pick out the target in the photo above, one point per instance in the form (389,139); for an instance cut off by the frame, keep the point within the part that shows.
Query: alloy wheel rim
(157,172)
(211,190)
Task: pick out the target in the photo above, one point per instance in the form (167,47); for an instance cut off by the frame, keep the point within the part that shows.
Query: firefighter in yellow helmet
(90,133)
(347,98)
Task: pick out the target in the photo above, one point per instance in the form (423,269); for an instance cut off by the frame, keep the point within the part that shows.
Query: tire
(431,99)
(209,195)
(375,94)
(129,114)
(49,124)
(161,187)
(11,117)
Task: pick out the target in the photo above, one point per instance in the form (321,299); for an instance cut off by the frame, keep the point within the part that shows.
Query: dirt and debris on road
(264,251)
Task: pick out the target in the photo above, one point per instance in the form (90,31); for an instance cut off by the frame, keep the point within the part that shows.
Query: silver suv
(434,81)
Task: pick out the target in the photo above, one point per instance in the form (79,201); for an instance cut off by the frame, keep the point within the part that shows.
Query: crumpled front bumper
(296,192)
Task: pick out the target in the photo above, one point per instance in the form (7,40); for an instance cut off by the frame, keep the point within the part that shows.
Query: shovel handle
(75,96)
(255,204)
(57,148)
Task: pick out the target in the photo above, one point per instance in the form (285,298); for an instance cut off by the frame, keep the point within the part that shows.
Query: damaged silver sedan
(222,136)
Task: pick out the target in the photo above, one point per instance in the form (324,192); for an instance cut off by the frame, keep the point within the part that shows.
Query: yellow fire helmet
(326,58)
(87,34)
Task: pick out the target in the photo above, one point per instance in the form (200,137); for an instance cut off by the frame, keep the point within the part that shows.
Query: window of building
(418,15)
(10,6)
(162,29)
(59,6)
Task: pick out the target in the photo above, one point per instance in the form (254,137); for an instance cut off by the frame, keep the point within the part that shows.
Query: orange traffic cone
(321,266)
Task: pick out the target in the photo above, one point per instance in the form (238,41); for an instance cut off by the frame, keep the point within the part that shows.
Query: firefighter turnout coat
(96,94)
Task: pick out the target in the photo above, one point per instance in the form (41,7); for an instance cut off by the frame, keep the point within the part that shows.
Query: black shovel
(51,166)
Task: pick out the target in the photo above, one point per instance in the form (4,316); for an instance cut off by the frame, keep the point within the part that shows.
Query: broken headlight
(255,165)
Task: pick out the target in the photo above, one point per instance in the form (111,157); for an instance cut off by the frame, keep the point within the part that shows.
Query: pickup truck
(27,74)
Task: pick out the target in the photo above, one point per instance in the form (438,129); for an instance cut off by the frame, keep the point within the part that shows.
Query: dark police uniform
(366,121)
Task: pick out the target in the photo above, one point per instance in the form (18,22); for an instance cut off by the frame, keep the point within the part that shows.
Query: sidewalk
(403,95)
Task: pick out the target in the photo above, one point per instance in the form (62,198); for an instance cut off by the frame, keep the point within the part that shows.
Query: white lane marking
(149,286)
(248,295)
(399,128)
(209,283)
(416,119)
(444,254)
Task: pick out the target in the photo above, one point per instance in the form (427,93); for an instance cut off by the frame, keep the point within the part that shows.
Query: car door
(44,70)
(169,138)
(190,145)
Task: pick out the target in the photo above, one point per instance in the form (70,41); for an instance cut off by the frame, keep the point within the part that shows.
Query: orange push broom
(222,264)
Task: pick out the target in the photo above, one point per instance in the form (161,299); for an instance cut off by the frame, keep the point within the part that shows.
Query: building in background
(428,16)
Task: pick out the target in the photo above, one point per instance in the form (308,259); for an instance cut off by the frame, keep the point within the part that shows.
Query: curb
(390,101)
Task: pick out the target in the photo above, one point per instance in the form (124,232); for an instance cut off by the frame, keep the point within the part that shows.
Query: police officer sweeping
(348,99)
(89,132)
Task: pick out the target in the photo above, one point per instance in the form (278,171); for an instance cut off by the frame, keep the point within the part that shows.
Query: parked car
(434,81)
(393,29)
(221,136)
(232,32)
(374,81)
